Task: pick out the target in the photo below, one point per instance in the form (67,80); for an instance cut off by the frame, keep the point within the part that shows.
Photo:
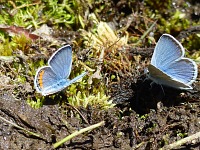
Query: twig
(77,133)
(15,125)
(145,33)
(137,146)
(177,144)
(24,5)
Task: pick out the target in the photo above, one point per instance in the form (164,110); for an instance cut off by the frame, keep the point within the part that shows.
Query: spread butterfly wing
(47,82)
(183,70)
(45,78)
(160,77)
(167,50)
(61,61)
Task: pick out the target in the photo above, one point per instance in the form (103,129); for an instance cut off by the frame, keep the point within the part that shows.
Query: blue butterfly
(53,78)
(169,67)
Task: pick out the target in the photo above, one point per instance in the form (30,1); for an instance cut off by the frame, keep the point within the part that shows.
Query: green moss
(192,42)
(84,94)
(28,14)
(143,117)
(182,135)
(18,42)
(22,43)
(36,103)
(175,23)
(5,48)
(95,100)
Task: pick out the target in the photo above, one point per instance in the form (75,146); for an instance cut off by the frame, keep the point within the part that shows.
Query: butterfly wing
(51,79)
(47,82)
(168,65)
(160,77)
(183,70)
(61,61)
(167,50)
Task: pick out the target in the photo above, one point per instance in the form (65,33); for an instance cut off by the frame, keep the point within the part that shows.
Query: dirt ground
(163,122)
(146,116)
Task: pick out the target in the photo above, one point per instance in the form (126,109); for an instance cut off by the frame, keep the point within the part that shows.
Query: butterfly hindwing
(183,70)
(160,77)
(45,77)
(77,78)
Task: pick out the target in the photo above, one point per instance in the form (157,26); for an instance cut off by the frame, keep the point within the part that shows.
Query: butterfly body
(169,66)
(53,78)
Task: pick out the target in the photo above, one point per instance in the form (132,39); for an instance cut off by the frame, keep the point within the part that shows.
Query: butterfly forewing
(167,50)
(61,61)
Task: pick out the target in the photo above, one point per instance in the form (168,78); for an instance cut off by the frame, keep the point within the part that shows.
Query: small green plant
(31,15)
(36,103)
(182,135)
(95,100)
(6,48)
(175,23)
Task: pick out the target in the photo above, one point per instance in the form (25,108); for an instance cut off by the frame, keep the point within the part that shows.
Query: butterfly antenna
(152,83)
(78,112)
(162,89)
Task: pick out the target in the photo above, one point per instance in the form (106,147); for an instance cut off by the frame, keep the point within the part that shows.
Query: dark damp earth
(166,121)
(146,115)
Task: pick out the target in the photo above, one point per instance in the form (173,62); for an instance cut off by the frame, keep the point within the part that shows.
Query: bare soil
(140,121)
